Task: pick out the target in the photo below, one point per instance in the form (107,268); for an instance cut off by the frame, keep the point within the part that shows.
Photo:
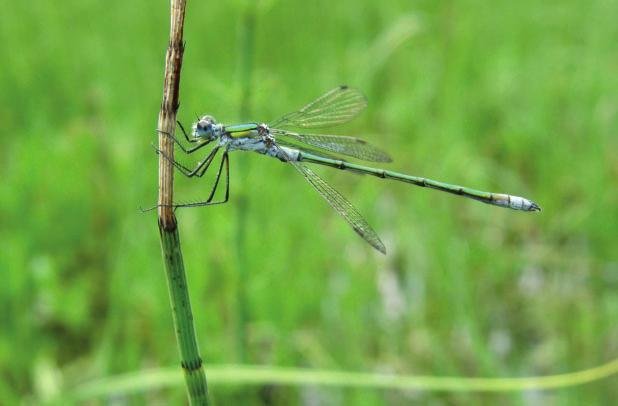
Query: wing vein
(336,106)
(342,206)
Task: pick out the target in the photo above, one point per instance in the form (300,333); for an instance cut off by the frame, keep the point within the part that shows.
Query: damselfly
(335,107)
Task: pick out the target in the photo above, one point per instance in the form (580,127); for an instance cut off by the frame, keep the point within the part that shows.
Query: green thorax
(240,130)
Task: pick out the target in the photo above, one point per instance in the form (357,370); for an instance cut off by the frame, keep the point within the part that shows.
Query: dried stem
(167,115)
(191,362)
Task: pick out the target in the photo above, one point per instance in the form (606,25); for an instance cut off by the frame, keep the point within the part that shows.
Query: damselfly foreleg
(182,147)
(191,140)
(199,170)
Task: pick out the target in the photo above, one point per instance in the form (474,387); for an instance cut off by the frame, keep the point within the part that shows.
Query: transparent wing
(343,207)
(350,146)
(334,107)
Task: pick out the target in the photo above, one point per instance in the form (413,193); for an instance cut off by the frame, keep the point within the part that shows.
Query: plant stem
(264,375)
(191,362)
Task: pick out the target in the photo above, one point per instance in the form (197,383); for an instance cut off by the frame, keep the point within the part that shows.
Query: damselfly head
(205,128)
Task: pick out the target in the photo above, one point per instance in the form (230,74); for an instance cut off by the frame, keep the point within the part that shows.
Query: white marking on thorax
(244,144)
(263,144)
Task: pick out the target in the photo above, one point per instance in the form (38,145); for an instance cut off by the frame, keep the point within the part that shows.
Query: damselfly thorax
(249,137)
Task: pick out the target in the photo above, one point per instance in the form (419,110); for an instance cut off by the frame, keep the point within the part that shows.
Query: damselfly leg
(186,150)
(199,170)
(225,160)
(209,202)
(182,128)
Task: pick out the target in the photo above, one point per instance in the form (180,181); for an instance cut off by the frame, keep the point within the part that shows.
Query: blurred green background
(516,97)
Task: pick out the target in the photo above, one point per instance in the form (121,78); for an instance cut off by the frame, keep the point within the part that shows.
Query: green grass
(517,97)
